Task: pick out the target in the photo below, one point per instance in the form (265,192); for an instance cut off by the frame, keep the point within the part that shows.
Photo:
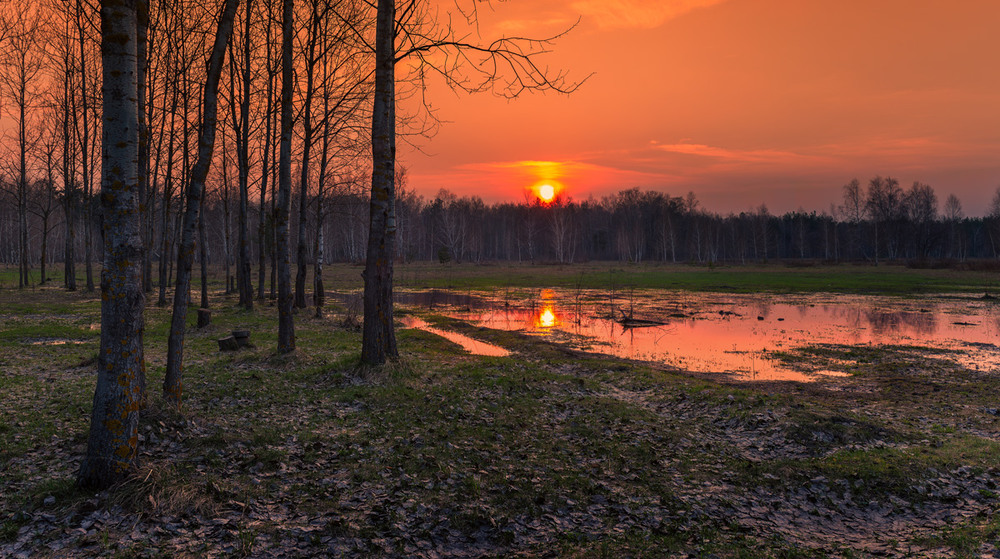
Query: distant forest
(877,221)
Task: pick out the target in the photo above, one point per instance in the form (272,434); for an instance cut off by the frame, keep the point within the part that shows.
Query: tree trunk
(203,255)
(165,209)
(243,149)
(69,188)
(265,170)
(286,325)
(302,257)
(378,342)
(88,187)
(142,54)
(113,442)
(45,245)
(319,296)
(172,384)
(22,187)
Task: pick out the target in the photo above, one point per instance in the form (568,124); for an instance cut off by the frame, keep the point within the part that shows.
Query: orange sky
(741,101)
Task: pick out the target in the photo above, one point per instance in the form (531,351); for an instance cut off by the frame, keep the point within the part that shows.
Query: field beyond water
(550,452)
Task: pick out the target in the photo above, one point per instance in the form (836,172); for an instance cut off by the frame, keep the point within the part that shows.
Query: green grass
(777,278)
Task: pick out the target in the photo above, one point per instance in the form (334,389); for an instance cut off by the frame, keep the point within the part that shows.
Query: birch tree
(112,445)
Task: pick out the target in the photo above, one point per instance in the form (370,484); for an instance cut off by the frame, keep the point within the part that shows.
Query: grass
(777,278)
(544,451)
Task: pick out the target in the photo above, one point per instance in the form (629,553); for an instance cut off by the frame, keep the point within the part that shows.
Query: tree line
(876,221)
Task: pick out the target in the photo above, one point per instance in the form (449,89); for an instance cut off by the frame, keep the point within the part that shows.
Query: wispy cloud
(638,13)
(737,155)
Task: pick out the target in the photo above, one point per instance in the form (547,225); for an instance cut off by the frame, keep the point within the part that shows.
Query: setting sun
(547,192)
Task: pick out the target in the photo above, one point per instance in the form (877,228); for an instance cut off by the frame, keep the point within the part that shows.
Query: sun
(547,193)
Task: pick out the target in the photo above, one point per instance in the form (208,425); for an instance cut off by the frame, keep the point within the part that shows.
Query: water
(737,334)
(473,346)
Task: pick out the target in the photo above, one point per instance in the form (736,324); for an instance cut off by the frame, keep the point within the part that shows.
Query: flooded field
(734,334)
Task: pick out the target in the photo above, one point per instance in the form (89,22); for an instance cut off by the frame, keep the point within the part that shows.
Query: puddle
(735,334)
(53,341)
(471,345)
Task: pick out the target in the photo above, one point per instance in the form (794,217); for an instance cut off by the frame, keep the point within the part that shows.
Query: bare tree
(993,217)
(953,215)
(241,71)
(286,325)
(506,65)
(65,99)
(43,198)
(922,209)
(112,446)
(172,385)
(301,258)
(265,234)
(23,61)
(853,209)
(85,139)
(884,203)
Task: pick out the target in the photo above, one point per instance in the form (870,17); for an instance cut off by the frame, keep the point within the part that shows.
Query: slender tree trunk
(319,295)
(165,210)
(45,244)
(286,325)
(242,129)
(274,246)
(172,385)
(203,255)
(69,253)
(69,187)
(302,257)
(88,189)
(378,337)
(265,170)
(226,229)
(113,442)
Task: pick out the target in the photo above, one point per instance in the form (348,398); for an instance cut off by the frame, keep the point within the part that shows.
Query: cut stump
(204,317)
(242,337)
(228,343)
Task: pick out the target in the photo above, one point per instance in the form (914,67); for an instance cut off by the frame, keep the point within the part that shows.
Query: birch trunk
(112,447)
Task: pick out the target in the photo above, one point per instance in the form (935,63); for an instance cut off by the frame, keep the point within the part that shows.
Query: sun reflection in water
(546,319)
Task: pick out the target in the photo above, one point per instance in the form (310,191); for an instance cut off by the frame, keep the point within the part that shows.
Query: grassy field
(547,453)
(887,279)
(779,278)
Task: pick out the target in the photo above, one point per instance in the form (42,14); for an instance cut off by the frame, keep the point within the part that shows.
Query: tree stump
(228,343)
(242,337)
(204,317)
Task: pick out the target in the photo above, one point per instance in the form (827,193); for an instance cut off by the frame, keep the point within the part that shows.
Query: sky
(742,102)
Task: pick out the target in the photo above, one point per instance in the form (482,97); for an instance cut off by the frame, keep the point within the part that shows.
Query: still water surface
(734,334)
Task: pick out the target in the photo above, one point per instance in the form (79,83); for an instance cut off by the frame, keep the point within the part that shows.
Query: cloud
(737,155)
(638,13)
